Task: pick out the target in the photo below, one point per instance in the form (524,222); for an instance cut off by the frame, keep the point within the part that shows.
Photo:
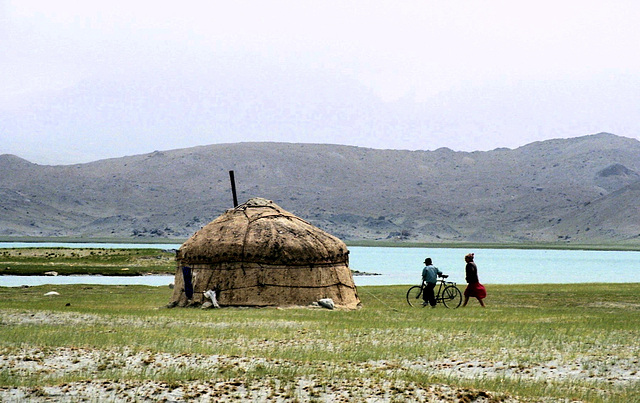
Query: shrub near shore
(533,342)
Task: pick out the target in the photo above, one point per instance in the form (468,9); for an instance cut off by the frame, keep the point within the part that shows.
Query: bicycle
(448,294)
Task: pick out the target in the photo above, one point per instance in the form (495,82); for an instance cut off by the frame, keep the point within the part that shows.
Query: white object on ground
(326,303)
(212,296)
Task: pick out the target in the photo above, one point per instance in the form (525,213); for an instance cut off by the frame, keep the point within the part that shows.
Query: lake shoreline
(369,265)
(361,243)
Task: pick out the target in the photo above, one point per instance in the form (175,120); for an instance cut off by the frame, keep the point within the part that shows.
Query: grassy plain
(533,343)
(82,261)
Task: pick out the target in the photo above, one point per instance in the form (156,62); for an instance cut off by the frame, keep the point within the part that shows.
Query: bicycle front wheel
(414,296)
(451,297)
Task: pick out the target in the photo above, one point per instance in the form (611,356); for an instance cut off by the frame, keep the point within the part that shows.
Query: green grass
(72,261)
(592,328)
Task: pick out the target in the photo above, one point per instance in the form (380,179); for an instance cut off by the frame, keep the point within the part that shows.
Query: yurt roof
(260,231)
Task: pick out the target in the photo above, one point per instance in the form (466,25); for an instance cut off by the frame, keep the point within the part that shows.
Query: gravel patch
(51,364)
(304,390)
(608,370)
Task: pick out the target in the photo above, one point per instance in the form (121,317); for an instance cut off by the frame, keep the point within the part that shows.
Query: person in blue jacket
(430,275)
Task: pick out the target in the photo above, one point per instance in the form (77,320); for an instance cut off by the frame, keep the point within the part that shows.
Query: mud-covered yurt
(258,254)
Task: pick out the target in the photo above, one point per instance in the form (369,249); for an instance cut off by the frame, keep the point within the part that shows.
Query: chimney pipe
(233,189)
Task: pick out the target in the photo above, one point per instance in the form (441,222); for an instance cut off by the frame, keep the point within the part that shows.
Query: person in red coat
(474,288)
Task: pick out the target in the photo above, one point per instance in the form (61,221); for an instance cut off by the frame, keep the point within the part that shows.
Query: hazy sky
(83,80)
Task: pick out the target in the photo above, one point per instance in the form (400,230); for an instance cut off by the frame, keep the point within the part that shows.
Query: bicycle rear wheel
(451,297)
(414,296)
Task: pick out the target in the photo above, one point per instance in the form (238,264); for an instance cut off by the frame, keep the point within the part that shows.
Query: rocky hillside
(584,189)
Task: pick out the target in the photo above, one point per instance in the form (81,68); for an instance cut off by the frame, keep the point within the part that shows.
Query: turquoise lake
(399,265)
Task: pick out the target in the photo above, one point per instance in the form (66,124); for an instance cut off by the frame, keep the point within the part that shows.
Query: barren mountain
(584,189)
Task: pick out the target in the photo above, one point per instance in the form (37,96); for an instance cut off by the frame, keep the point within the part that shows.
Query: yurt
(258,254)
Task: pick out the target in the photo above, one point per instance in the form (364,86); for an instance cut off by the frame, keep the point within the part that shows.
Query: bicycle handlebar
(441,277)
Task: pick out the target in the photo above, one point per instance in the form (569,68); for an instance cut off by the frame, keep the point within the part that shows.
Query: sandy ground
(98,371)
